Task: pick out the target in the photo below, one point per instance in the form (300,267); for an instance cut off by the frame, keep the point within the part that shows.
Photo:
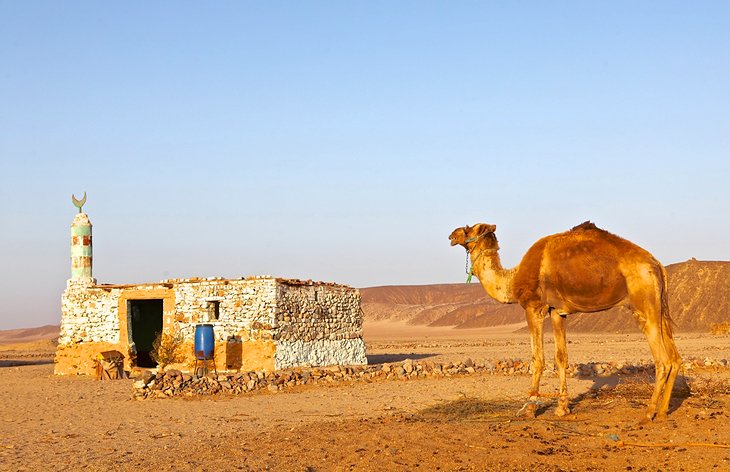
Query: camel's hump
(586,226)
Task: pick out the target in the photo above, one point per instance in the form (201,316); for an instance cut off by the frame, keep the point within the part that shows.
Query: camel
(584,270)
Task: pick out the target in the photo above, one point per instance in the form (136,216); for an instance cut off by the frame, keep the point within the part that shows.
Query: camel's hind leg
(666,361)
(535,318)
(657,329)
(675,363)
(561,361)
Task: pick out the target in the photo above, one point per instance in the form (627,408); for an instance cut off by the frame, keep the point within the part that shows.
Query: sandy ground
(456,423)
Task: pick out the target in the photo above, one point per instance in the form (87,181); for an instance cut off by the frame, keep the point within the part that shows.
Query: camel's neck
(496,280)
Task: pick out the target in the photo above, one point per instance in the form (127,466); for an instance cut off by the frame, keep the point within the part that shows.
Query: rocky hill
(699,295)
(458,305)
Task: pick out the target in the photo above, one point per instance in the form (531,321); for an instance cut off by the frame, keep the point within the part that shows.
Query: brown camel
(584,270)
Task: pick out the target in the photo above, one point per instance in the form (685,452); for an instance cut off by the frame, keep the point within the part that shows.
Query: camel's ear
(483,228)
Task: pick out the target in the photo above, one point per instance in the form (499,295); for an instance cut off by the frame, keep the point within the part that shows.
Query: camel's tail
(666,318)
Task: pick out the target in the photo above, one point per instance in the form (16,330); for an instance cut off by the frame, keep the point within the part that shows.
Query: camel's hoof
(645,420)
(529,410)
(562,411)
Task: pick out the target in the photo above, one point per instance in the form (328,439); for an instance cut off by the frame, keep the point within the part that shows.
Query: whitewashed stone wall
(247,307)
(88,314)
(319,353)
(318,324)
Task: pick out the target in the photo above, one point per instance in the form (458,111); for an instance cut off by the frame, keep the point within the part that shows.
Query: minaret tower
(81,254)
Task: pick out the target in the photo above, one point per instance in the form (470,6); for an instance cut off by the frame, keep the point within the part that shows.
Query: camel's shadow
(637,388)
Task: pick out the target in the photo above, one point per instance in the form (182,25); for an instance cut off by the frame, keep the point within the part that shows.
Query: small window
(214,310)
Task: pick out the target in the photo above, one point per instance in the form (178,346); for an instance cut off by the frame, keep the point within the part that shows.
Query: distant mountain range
(27,335)
(699,295)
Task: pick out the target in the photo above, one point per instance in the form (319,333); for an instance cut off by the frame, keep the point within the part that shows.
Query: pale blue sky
(343,141)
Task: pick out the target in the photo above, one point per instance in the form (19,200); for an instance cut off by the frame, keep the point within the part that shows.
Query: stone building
(260,323)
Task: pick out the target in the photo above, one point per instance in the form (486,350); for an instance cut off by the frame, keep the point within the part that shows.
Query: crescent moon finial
(78,203)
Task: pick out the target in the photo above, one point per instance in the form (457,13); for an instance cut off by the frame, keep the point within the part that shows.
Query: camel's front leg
(535,318)
(561,361)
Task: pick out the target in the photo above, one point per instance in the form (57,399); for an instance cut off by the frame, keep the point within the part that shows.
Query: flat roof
(169,283)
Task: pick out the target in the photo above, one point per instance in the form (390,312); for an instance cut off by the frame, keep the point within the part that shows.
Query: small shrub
(720,328)
(168,349)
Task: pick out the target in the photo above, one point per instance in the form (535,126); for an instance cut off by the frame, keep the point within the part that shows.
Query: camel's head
(469,234)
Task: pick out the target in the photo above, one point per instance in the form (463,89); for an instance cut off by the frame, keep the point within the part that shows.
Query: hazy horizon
(344,141)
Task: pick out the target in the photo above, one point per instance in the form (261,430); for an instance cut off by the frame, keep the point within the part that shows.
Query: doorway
(145,318)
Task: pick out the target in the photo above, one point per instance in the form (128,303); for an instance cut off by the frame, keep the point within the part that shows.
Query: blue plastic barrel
(204,341)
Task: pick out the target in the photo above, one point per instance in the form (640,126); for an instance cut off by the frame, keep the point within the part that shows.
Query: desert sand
(449,423)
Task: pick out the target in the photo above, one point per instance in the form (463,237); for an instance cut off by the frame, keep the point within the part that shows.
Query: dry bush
(467,409)
(168,349)
(720,328)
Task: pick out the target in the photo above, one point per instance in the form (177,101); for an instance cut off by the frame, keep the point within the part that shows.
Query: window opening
(214,310)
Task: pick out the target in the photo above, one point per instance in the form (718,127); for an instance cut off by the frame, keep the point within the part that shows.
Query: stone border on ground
(174,383)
